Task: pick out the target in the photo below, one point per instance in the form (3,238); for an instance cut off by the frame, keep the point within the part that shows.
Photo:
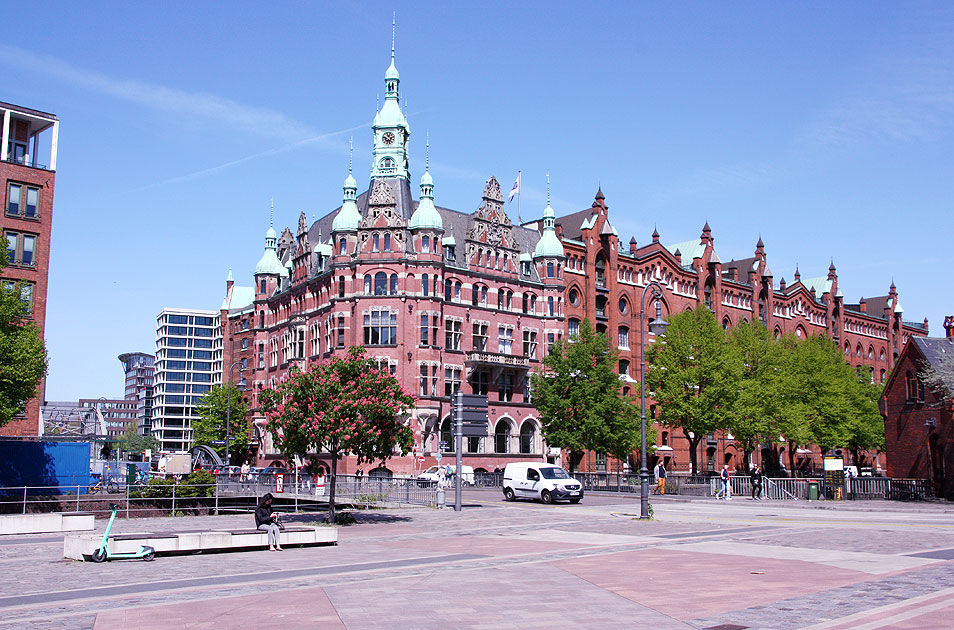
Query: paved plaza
(700,564)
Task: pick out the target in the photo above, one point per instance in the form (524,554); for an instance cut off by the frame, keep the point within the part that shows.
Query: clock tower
(390,129)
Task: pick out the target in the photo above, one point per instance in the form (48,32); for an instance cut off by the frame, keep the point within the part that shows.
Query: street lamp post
(659,329)
(228,416)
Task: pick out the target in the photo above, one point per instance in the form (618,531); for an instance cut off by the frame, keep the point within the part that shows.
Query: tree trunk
(745,458)
(791,459)
(693,452)
(331,493)
(575,458)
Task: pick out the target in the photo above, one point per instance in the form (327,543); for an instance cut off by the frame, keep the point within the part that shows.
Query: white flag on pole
(516,188)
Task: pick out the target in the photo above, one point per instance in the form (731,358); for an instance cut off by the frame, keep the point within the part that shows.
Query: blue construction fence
(45,467)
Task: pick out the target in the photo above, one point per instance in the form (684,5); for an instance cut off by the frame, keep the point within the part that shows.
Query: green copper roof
(426,215)
(688,250)
(269,264)
(549,246)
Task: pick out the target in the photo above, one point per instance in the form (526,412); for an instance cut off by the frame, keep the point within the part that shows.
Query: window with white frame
(505,386)
(480,336)
(452,378)
(380,327)
(505,340)
(624,337)
(530,344)
(452,334)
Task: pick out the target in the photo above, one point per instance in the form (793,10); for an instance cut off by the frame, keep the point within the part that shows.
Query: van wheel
(546,497)
(508,494)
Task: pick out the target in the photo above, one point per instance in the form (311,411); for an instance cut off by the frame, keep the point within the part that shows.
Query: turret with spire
(426,215)
(390,128)
(549,246)
(348,216)
(269,268)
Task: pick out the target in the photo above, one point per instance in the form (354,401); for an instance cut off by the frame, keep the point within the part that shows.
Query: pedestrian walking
(725,492)
(756,477)
(660,479)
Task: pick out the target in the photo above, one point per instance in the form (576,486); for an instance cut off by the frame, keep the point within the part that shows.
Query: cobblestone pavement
(700,564)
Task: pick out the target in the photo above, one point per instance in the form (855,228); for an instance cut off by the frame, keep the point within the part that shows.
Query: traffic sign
(474,415)
(218,442)
(471,400)
(420,460)
(443,445)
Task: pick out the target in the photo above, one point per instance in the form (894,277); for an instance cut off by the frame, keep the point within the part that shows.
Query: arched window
(380,283)
(262,287)
(367,284)
(393,288)
(763,314)
(600,271)
(623,367)
(528,434)
(387,242)
(725,323)
(475,295)
(261,319)
(502,437)
(342,246)
(549,270)
(425,243)
(341,286)
(573,328)
(550,306)
(425,285)
(457,286)
(882,354)
(601,306)
(624,337)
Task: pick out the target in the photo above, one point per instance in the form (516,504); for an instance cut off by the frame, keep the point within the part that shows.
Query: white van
(430,477)
(538,480)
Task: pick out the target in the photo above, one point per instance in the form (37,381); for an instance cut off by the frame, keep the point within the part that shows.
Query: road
(700,563)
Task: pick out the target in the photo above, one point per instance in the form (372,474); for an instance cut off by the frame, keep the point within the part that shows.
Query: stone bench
(46,522)
(81,546)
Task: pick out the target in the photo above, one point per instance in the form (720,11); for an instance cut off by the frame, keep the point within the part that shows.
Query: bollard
(441,499)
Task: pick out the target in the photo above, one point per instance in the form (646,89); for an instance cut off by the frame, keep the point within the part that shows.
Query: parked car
(546,482)
(431,476)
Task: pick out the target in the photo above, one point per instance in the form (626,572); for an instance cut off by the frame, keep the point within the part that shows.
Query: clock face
(388,138)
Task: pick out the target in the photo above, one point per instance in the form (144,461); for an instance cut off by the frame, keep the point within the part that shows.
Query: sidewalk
(700,564)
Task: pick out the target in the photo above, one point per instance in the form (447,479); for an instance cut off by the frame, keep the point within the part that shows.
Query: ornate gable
(490,227)
(382,208)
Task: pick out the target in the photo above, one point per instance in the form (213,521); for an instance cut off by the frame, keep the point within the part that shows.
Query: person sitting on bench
(265,520)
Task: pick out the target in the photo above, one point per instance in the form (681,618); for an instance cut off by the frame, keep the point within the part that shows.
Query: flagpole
(519,191)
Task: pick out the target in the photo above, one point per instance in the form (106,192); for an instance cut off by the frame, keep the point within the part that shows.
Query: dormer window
(526,268)
(449,252)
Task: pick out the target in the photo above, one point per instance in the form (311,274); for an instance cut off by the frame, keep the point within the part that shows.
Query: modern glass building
(188,363)
(140,374)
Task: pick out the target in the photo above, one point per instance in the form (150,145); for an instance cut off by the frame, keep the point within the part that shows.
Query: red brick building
(604,283)
(448,300)
(918,425)
(27,136)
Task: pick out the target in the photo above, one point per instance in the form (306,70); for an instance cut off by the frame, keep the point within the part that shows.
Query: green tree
(345,406)
(23,358)
(693,378)
(210,425)
(577,394)
(749,417)
(132,442)
(865,428)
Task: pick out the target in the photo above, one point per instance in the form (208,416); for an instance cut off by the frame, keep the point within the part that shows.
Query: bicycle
(108,487)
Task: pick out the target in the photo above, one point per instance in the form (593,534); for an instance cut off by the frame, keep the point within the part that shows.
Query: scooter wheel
(150,555)
(99,555)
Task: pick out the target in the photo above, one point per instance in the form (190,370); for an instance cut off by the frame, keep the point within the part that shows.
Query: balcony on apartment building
(28,136)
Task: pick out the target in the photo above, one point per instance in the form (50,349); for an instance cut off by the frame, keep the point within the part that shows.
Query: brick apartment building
(448,300)
(918,424)
(28,136)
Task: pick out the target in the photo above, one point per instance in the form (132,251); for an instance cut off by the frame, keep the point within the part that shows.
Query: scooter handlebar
(113,506)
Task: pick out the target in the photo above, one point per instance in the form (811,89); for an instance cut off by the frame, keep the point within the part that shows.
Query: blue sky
(824,127)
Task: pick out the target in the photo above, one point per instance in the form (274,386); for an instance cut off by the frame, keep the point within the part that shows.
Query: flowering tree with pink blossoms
(345,407)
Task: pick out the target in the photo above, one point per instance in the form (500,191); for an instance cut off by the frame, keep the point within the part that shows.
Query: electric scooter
(103,553)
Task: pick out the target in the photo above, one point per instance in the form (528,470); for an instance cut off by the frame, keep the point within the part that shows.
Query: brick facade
(919,429)
(22,177)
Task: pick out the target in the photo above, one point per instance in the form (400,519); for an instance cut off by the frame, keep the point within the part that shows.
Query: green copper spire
(269,263)
(348,217)
(390,127)
(426,214)
(549,246)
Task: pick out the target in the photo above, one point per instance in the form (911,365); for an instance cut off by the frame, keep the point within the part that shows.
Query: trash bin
(812,490)
(130,474)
